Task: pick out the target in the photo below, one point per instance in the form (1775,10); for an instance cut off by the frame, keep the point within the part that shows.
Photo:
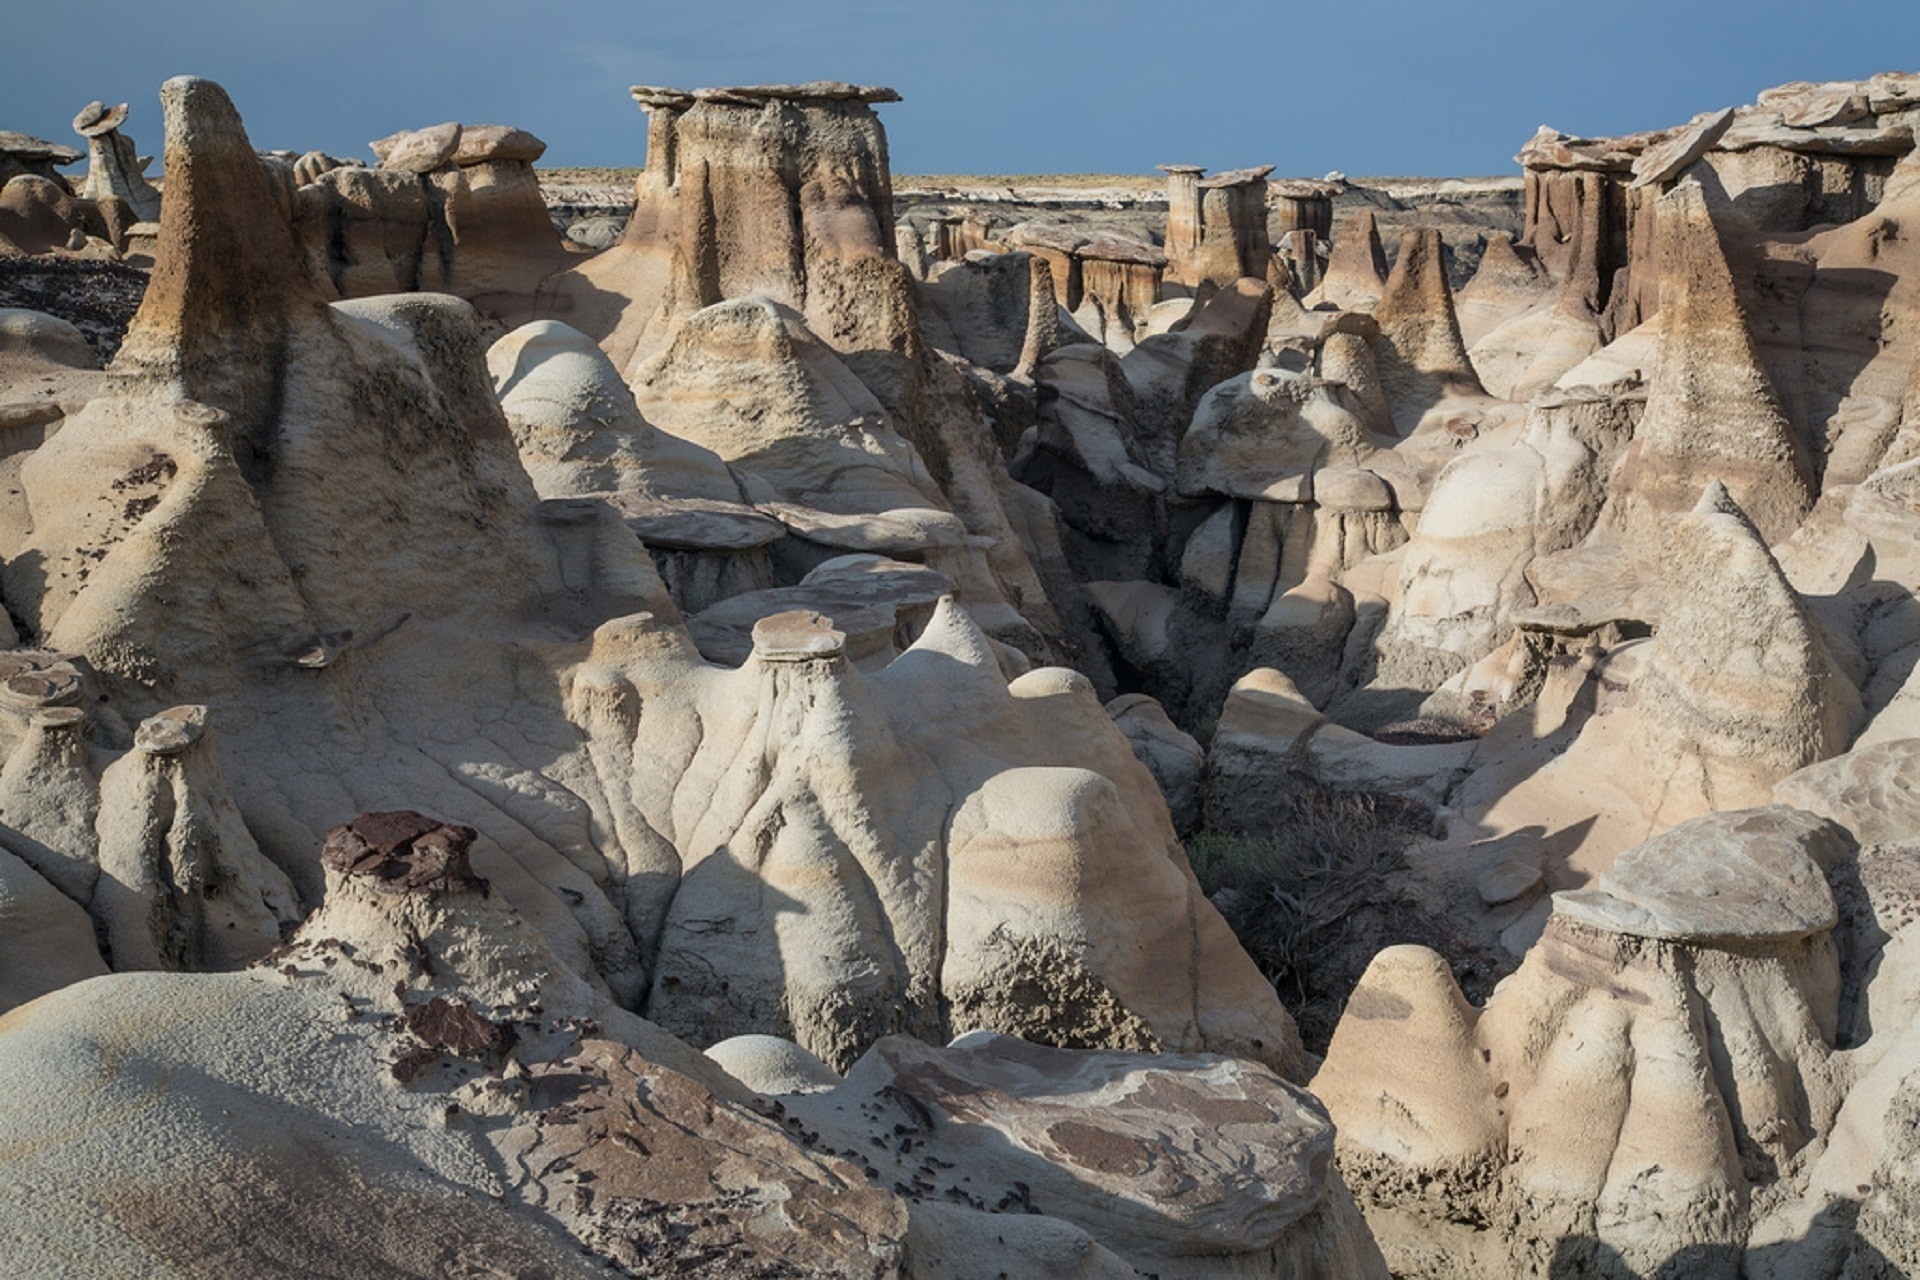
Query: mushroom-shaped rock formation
(22,153)
(1108,284)
(1216,227)
(1661,1057)
(452,207)
(182,884)
(985,890)
(114,170)
(781,190)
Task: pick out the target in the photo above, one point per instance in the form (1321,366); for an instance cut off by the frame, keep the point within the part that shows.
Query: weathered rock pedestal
(777,190)
(1216,227)
(114,169)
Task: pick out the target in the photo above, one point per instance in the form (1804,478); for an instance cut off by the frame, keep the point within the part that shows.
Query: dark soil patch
(97,298)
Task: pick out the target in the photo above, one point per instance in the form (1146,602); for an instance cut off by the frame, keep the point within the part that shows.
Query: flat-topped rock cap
(1237,177)
(1181,168)
(799,635)
(24,146)
(402,851)
(1549,148)
(28,691)
(171,731)
(1666,161)
(1305,188)
(755,94)
(484,143)
(419,150)
(910,530)
(1744,875)
(1099,245)
(97,118)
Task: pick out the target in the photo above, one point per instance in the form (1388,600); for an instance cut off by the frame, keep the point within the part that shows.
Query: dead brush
(1311,899)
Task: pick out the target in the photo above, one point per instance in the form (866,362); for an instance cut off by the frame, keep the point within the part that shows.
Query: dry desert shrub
(1315,898)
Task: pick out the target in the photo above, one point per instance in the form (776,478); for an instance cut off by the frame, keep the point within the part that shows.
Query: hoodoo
(783,721)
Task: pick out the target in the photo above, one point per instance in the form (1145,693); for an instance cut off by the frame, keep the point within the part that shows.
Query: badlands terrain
(764,721)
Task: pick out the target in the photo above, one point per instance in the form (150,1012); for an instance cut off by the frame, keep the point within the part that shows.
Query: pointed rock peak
(1412,984)
(1357,251)
(953,632)
(1711,409)
(1715,499)
(1419,278)
(1502,269)
(1421,354)
(227,273)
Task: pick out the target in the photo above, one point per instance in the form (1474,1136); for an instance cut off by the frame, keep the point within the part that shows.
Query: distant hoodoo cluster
(1252,727)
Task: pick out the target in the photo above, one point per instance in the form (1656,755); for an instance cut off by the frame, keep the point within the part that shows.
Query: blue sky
(991,86)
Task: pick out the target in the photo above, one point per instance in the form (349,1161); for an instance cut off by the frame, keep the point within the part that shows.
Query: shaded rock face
(782,194)
(1356,274)
(1422,358)
(1711,409)
(1742,689)
(1108,284)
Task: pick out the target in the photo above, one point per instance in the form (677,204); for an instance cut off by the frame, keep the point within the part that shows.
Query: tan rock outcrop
(1662,1054)
(1356,275)
(1216,227)
(579,431)
(1712,411)
(780,190)
(1421,356)
(1174,1164)
(452,207)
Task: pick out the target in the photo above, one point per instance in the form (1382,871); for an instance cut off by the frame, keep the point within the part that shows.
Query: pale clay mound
(521,741)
